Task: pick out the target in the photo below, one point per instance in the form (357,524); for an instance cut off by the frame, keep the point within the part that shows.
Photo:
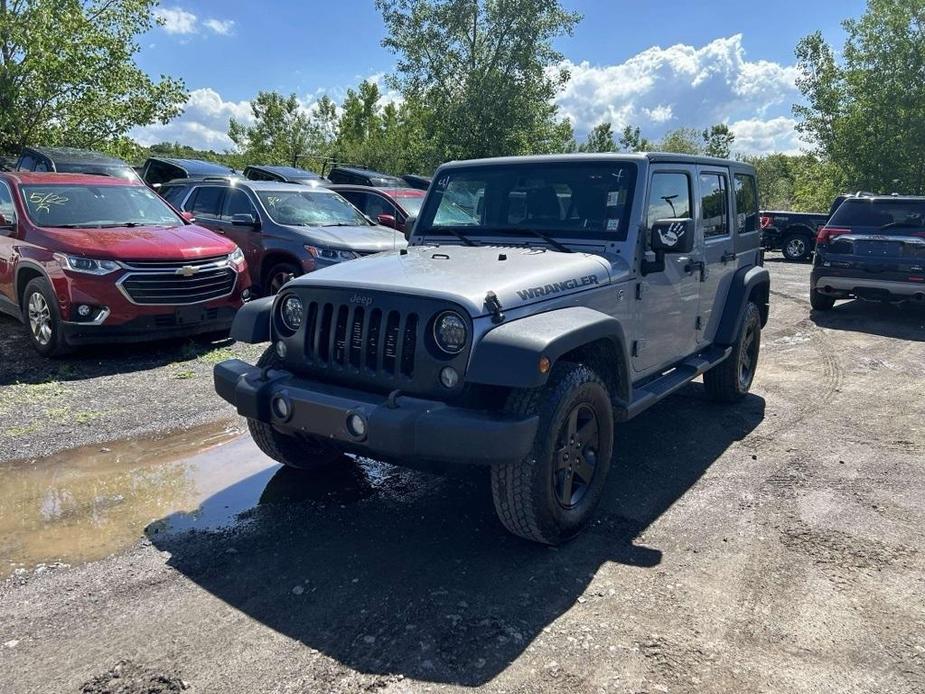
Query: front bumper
(192,321)
(411,429)
(846,286)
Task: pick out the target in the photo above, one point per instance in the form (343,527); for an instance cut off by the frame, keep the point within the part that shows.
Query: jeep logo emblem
(361,300)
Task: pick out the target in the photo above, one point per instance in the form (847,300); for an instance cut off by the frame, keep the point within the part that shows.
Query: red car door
(7,240)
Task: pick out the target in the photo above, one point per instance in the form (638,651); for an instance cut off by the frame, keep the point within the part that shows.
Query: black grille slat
(390,342)
(372,345)
(355,335)
(173,264)
(322,345)
(171,288)
(310,325)
(408,346)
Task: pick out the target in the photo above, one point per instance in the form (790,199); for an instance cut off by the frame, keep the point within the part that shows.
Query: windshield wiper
(546,237)
(342,224)
(458,234)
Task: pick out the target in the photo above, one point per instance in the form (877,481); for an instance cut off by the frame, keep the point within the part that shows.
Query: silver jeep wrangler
(541,300)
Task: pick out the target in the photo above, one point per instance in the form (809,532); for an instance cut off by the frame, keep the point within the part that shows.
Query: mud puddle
(87,503)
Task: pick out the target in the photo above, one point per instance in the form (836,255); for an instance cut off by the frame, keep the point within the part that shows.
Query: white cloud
(758,136)
(686,86)
(220,26)
(203,125)
(176,20)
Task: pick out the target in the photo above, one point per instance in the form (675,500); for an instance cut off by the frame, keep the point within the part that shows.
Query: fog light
(281,407)
(246,295)
(281,349)
(449,377)
(356,425)
(83,310)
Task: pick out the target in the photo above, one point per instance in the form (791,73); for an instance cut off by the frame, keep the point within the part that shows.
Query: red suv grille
(174,283)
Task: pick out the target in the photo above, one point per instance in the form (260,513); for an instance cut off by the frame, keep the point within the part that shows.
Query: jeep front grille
(177,282)
(378,341)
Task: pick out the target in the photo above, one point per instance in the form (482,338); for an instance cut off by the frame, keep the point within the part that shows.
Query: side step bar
(651,392)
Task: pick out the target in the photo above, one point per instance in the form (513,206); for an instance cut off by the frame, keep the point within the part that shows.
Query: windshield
(90,206)
(565,200)
(881,216)
(310,208)
(411,203)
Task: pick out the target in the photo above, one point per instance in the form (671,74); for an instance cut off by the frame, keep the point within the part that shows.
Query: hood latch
(493,304)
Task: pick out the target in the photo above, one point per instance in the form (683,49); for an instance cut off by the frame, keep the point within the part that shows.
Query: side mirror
(188,216)
(672,236)
(409,226)
(244,220)
(387,220)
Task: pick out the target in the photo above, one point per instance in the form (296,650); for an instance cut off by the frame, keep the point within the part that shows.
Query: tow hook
(493,304)
(392,401)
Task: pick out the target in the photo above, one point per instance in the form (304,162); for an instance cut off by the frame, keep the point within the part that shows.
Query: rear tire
(820,302)
(795,247)
(550,495)
(731,379)
(301,451)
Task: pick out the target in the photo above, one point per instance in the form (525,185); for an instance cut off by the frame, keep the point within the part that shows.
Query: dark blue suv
(872,248)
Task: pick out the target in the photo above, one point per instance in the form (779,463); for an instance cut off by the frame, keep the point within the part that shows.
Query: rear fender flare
(747,282)
(509,354)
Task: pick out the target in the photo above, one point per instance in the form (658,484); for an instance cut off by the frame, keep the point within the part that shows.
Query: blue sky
(659,64)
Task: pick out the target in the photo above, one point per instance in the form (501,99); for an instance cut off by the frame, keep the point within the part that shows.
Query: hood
(367,239)
(186,242)
(465,274)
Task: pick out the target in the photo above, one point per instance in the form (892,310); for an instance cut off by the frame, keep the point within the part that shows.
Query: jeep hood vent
(465,274)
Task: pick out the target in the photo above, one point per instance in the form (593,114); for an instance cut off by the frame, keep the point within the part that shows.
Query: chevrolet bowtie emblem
(188,270)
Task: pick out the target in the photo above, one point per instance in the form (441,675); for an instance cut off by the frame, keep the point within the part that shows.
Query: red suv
(96,259)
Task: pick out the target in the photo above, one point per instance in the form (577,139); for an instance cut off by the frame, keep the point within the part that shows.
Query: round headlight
(291,313)
(450,332)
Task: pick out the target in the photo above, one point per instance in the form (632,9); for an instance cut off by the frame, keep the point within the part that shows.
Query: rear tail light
(827,233)
(766,221)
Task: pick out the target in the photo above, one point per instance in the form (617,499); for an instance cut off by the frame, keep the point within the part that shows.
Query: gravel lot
(101,394)
(772,546)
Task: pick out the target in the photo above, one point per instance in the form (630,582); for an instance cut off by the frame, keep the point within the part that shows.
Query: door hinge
(639,291)
(637,347)
(699,323)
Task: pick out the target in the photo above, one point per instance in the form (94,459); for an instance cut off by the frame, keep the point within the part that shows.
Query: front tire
(42,317)
(795,247)
(302,452)
(278,275)
(731,379)
(550,495)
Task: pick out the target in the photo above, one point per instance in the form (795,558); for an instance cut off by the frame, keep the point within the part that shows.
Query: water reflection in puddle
(89,502)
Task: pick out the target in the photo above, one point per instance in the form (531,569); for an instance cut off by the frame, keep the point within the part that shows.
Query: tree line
(475,78)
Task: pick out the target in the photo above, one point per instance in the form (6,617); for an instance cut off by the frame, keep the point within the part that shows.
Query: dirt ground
(772,546)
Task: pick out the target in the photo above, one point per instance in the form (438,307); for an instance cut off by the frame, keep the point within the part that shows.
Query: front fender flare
(252,321)
(744,282)
(509,354)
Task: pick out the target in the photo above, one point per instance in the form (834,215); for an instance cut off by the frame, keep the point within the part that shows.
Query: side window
(173,194)
(669,197)
(713,203)
(237,202)
(26,163)
(41,165)
(358,200)
(376,206)
(7,210)
(206,202)
(746,204)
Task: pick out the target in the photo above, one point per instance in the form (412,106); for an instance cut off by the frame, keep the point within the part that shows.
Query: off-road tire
(270,283)
(799,249)
(302,452)
(819,301)
(54,346)
(524,491)
(725,381)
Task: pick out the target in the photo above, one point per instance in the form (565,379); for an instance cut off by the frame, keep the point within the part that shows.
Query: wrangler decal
(556,287)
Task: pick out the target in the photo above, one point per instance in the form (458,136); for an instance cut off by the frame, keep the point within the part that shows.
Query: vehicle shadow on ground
(904,321)
(390,571)
(20,363)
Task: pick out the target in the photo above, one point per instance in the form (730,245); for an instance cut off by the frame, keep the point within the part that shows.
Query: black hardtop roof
(652,157)
(881,197)
(291,171)
(196,166)
(74,155)
(360,171)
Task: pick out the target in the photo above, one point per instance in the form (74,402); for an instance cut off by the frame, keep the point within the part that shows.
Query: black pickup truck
(791,233)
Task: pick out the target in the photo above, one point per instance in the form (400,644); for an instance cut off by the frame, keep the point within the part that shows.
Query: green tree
(865,114)
(600,139)
(718,141)
(284,131)
(631,140)
(68,75)
(681,141)
(482,73)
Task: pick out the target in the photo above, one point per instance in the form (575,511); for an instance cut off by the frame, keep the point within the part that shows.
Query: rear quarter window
(746,203)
